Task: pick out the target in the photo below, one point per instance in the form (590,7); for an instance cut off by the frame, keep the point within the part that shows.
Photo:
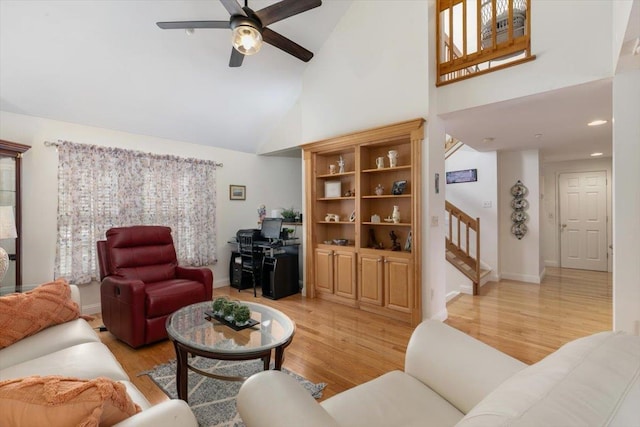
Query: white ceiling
(559,118)
(105,63)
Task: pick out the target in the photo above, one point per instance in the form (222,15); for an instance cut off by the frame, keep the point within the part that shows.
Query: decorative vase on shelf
(393,158)
(379,190)
(395,216)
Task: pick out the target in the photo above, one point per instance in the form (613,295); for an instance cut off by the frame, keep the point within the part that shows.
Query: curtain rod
(56,144)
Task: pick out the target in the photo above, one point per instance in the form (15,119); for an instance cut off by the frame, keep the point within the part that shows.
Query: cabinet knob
(379,259)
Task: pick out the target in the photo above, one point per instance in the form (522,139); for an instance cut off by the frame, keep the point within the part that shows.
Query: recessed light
(488,139)
(596,123)
(596,154)
(538,135)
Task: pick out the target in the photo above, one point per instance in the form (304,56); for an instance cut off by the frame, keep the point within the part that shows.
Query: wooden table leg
(182,376)
(266,361)
(279,357)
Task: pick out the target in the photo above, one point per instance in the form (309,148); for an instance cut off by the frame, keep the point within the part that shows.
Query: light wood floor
(345,347)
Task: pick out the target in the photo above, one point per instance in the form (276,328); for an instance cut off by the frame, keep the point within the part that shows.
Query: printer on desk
(280,263)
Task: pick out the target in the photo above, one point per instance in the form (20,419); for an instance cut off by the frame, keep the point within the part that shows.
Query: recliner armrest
(198,274)
(292,405)
(126,290)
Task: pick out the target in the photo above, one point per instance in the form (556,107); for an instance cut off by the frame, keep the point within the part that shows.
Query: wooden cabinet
(386,281)
(335,273)
(398,284)
(10,195)
(363,219)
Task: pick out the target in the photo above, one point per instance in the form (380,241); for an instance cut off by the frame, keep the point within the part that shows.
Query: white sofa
(73,349)
(453,379)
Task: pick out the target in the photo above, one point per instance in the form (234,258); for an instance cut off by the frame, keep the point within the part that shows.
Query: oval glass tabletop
(193,328)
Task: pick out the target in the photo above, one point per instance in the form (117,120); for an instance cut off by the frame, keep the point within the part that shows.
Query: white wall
(471,197)
(371,71)
(273,181)
(572,44)
(549,217)
(519,259)
(626,202)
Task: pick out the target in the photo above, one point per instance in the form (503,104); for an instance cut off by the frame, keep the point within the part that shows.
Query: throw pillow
(57,401)
(25,314)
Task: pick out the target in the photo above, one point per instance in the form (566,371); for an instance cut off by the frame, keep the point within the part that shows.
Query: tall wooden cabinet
(350,222)
(10,195)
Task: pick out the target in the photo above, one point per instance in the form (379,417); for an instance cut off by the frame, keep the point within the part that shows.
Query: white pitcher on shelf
(393,158)
(395,215)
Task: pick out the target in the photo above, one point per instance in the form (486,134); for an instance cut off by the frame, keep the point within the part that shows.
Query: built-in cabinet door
(370,279)
(324,271)
(344,263)
(398,284)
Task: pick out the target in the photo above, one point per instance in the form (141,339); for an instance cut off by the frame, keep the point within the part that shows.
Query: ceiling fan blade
(284,9)
(283,43)
(181,25)
(236,58)
(233,7)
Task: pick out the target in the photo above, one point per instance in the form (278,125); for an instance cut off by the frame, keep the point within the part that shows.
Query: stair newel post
(476,284)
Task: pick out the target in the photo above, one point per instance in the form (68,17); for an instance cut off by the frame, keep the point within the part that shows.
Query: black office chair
(252,260)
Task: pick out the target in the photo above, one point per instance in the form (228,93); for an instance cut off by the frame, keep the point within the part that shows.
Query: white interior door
(583,220)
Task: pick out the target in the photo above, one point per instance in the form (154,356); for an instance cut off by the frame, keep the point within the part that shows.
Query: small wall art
(466,175)
(519,204)
(237,192)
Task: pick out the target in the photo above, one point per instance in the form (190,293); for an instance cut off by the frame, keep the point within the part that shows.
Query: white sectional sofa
(453,379)
(73,349)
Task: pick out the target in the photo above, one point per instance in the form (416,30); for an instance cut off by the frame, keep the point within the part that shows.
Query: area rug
(214,401)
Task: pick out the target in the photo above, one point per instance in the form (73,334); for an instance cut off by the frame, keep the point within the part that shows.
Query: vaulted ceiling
(105,63)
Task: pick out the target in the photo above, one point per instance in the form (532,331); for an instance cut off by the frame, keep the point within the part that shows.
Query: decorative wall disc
(519,205)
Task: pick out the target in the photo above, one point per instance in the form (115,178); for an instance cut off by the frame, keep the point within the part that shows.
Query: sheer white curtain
(103,187)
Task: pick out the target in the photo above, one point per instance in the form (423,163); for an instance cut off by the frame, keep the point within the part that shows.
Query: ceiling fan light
(246,39)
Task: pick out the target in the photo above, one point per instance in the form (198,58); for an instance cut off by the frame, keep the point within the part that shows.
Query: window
(103,187)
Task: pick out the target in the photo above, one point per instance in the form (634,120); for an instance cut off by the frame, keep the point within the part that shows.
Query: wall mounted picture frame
(237,192)
(466,175)
(332,189)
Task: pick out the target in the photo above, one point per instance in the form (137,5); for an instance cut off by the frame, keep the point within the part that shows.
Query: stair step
(465,269)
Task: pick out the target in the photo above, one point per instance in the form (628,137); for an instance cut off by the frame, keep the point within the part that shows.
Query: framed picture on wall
(237,192)
(466,175)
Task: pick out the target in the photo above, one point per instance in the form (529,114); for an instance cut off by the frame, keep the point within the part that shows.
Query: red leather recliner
(142,283)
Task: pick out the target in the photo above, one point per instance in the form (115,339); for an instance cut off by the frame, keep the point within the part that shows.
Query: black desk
(279,271)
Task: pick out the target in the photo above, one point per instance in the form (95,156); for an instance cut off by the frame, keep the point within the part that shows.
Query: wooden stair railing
(458,249)
(451,145)
(474,37)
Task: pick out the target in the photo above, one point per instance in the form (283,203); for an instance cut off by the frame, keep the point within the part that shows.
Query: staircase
(458,242)
(462,228)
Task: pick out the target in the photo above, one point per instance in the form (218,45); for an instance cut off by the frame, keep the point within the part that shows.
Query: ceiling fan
(250,28)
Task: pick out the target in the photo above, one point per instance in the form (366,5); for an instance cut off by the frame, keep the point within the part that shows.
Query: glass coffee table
(194,332)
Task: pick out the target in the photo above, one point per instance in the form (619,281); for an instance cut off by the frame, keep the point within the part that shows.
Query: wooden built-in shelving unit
(356,273)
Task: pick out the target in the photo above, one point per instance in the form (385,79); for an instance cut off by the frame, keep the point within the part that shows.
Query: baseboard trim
(466,289)
(441,316)
(451,295)
(529,278)
(91,308)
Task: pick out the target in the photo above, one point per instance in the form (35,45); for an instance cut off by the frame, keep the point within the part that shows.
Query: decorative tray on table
(211,315)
